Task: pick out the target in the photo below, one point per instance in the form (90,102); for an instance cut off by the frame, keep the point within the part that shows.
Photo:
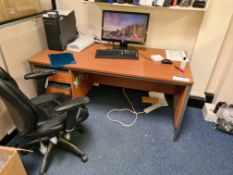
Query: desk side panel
(84,84)
(180,103)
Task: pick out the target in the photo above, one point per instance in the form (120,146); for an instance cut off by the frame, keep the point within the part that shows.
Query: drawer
(61,78)
(60,88)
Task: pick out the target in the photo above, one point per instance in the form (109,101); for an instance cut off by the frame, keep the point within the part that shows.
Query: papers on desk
(81,43)
(175,55)
(60,12)
(156,57)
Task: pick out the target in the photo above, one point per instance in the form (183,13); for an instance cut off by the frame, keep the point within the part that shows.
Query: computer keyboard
(117,53)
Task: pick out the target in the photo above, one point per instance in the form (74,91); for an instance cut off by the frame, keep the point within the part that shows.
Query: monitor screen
(121,26)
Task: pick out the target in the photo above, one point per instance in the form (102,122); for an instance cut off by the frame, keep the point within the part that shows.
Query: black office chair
(49,118)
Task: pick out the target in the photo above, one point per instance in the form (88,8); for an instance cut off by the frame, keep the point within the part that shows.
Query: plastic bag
(225,119)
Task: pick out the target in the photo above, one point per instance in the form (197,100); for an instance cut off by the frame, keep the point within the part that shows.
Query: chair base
(61,141)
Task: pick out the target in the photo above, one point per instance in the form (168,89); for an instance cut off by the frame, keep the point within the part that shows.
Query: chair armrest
(72,104)
(39,74)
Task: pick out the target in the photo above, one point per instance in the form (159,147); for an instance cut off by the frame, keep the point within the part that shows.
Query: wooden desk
(142,74)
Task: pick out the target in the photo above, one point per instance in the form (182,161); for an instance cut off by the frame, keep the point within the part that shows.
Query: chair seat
(48,118)
(47,103)
(50,127)
(49,122)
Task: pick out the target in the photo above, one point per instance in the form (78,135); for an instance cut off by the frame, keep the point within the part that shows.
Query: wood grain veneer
(142,74)
(143,68)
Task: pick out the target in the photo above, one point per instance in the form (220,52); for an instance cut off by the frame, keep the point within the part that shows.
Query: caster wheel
(84,158)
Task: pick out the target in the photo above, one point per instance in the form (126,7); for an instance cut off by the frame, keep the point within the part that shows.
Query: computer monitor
(124,27)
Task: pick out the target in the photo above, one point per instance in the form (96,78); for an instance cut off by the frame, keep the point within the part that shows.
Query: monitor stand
(124,44)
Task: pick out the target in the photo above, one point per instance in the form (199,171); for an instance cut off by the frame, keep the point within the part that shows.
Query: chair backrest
(23,113)
(5,76)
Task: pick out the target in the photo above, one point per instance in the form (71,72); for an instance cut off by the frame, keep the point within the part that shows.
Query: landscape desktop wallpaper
(124,26)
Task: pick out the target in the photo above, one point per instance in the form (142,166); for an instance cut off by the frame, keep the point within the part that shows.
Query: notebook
(61,59)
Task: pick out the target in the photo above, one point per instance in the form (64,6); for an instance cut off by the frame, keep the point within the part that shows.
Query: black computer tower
(60,29)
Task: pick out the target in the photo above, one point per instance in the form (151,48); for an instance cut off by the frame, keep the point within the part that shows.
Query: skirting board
(209,97)
(197,102)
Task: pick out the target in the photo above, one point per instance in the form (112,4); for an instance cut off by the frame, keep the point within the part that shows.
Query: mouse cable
(125,109)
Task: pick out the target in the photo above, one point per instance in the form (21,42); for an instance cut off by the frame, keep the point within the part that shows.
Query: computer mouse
(166,61)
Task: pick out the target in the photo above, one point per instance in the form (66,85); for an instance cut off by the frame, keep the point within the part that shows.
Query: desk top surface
(144,68)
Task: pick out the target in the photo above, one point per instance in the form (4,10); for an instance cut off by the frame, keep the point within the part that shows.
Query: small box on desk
(10,162)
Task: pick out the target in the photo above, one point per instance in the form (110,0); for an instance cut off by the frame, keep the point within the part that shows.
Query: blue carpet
(147,148)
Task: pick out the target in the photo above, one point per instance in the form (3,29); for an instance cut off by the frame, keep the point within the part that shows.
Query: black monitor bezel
(124,12)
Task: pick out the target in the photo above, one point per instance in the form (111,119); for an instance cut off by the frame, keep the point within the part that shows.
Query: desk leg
(180,103)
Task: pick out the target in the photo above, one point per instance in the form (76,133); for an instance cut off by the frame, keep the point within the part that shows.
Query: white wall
(46,4)
(209,42)
(6,123)
(1,62)
(167,28)
(201,34)
(20,42)
(221,82)
(225,93)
